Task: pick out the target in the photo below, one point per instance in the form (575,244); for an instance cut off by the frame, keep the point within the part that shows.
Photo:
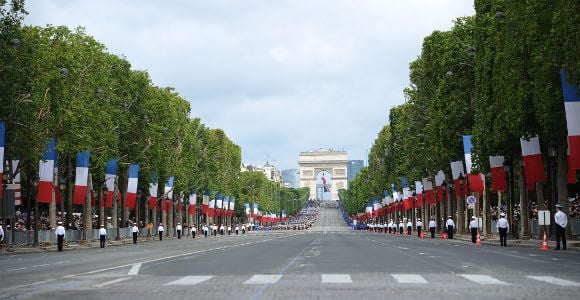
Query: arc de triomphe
(333,162)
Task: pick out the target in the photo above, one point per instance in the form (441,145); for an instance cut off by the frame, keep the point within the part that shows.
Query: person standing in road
(135,231)
(214,229)
(409,227)
(193,230)
(450,227)
(401,226)
(204,229)
(473,229)
(561,220)
(229,229)
(419,226)
(237,229)
(243,228)
(222,229)
(178,228)
(503,227)
(160,231)
(59,236)
(432,226)
(102,235)
(390,226)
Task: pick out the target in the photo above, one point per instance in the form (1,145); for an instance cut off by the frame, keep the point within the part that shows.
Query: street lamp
(62,187)
(470,51)
(137,205)
(34,181)
(500,16)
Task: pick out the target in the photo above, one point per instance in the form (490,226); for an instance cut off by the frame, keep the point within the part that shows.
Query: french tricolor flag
(18,193)
(46,172)
(498,182)
(2,138)
(211,208)
(419,192)
(475,180)
(247,205)
(153,188)
(81,177)
(218,205)
(232,205)
(192,202)
(205,202)
(110,177)
(457,171)
(439,180)
(428,190)
(533,165)
(255,209)
(572,105)
(132,186)
(168,192)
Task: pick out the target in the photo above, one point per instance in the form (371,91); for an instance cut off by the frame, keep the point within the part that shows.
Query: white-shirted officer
(243,228)
(409,227)
(419,226)
(160,231)
(178,228)
(102,235)
(205,229)
(237,229)
(561,220)
(401,226)
(135,231)
(59,236)
(473,228)
(432,227)
(229,229)
(390,226)
(502,227)
(1,233)
(450,227)
(193,230)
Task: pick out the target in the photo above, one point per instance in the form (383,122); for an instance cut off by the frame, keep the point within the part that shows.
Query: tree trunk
(123,181)
(115,212)
(52,205)
(88,214)
(486,209)
(563,185)
(524,225)
(101,196)
(70,185)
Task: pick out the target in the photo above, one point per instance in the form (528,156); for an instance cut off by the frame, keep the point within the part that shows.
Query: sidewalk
(572,245)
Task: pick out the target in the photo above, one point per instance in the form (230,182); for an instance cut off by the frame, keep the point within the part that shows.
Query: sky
(280,77)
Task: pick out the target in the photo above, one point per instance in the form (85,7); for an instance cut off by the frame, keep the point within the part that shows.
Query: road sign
(543,217)
(480,222)
(471,200)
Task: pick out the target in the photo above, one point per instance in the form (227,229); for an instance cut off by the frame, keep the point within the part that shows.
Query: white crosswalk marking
(482,279)
(554,280)
(263,279)
(409,278)
(190,280)
(336,278)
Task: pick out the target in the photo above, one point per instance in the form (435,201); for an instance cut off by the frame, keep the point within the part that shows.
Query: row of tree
(495,75)
(61,83)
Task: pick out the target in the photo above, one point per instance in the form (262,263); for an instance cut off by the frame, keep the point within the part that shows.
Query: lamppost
(34,182)
(137,210)
(461,206)
(62,187)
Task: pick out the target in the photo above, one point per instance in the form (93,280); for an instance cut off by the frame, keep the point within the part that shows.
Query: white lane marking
(135,269)
(190,280)
(533,254)
(174,256)
(18,269)
(409,278)
(43,265)
(336,278)
(111,282)
(554,280)
(263,279)
(482,279)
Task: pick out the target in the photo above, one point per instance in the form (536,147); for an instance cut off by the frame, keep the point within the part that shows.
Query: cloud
(279,77)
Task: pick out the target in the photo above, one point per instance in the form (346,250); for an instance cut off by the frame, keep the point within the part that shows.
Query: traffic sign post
(471,200)
(543,217)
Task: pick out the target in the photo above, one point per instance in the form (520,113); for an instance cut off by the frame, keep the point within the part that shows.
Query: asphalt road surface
(317,264)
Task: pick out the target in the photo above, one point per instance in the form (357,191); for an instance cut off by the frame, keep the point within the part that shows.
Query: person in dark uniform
(59,236)
(102,235)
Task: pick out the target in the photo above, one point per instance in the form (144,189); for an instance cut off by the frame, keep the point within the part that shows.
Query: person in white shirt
(401,225)
(473,228)
(502,227)
(160,231)
(135,231)
(561,220)
(243,228)
(419,226)
(229,229)
(222,229)
(193,230)
(409,227)
(59,236)
(450,227)
(214,229)
(178,228)
(390,226)
(237,229)
(102,235)
(205,229)
(432,227)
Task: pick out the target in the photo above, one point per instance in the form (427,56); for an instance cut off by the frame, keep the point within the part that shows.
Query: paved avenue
(330,261)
